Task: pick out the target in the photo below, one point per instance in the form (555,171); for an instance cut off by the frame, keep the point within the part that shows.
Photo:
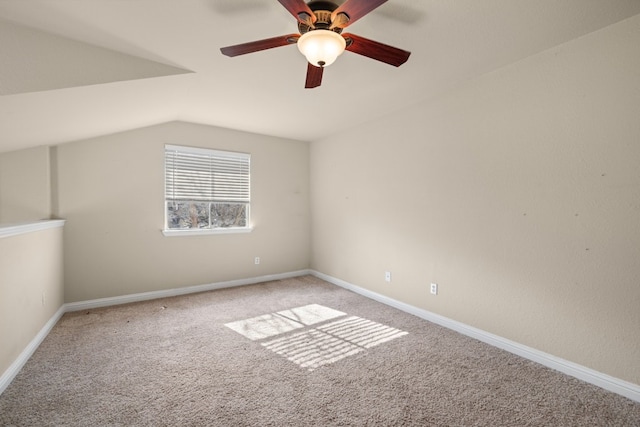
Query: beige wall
(519,194)
(31,288)
(111,192)
(25,191)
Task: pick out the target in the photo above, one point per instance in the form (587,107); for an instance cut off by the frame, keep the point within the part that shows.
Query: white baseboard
(22,359)
(17,364)
(607,382)
(145,296)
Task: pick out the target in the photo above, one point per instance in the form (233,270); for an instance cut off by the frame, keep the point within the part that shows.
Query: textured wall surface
(518,193)
(111,192)
(25,189)
(31,288)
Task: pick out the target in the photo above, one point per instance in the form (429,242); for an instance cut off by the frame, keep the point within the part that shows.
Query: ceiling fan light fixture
(321,47)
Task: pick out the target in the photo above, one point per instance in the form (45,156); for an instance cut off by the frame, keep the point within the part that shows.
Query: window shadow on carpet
(311,347)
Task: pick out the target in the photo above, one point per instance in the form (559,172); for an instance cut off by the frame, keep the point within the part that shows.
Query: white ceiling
(72,69)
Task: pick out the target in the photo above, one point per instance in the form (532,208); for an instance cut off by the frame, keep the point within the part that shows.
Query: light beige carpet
(296,352)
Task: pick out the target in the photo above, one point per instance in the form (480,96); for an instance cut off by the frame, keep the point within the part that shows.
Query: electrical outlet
(257,260)
(387,276)
(434,288)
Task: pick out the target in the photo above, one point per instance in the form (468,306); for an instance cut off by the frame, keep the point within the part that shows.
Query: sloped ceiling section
(35,61)
(57,85)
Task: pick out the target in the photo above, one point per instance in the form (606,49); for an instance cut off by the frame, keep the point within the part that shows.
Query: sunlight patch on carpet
(265,326)
(362,332)
(326,343)
(312,349)
(311,314)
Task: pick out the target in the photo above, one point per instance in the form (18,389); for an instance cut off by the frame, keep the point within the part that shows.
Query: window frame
(205,231)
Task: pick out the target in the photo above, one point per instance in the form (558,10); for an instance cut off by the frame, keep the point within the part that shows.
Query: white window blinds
(195,174)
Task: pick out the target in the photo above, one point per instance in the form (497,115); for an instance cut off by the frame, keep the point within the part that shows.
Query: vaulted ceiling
(72,69)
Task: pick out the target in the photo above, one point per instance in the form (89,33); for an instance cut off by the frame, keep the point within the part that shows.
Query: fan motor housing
(322,5)
(322,10)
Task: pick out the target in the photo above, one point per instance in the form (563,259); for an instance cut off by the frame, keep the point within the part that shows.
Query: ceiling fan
(320,38)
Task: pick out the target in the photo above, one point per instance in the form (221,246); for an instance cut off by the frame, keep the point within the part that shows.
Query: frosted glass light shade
(321,47)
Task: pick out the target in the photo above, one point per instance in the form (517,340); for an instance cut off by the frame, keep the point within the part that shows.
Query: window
(205,190)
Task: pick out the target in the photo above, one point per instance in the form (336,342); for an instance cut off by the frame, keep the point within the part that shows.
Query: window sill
(203,232)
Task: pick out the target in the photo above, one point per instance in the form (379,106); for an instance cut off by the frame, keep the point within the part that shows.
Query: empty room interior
(489,184)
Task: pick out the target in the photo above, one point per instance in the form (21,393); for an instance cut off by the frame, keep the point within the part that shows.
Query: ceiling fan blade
(354,9)
(300,10)
(314,76)
(250,47)
(376,50)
